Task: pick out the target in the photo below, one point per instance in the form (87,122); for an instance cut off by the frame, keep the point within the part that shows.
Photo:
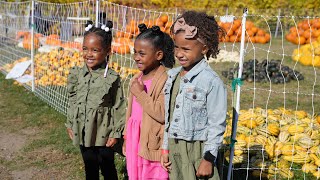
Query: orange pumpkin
(27,42)
(121,49)
(164,18)
(120,34)
(53,41)
(261,32)
(122,40)
(168,25)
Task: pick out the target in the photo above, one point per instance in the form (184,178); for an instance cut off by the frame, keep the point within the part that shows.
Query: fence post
(278,23)
(97,13)
(32,46)
(237,85)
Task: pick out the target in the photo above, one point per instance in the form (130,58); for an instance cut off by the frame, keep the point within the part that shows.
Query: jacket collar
(95,73)
(202,64)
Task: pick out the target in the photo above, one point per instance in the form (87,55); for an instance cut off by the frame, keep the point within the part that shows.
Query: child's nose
(178,54)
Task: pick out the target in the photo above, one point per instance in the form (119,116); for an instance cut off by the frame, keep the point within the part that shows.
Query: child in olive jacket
(96,113)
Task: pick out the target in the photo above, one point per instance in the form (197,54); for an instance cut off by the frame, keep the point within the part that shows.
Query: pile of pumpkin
(53,68)
(308,54)
(123,39)
(52,40)
(271,140)
(253,34)
(305,32)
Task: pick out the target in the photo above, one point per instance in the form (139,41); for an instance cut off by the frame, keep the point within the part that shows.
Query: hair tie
(155,28)
(105,28)
(88,27)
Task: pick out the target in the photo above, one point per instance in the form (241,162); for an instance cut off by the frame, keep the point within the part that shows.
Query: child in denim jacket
(195,101)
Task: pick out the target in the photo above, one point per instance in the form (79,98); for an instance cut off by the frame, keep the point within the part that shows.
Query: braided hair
(208,30)
(160,41)
(104,32)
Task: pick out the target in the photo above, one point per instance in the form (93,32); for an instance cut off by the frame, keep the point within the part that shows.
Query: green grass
(276,98)
(20,109)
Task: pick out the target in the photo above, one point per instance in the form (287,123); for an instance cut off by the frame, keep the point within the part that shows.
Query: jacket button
(102,136)
(185,80)
(92,81)
(176,120)
(177,106)
(87,120)
(75,134)
(175,134)
(194,96)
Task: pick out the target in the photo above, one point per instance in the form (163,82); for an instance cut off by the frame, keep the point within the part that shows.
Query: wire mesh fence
(278,127)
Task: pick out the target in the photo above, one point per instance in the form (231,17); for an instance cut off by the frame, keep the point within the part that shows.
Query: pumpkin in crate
(27,42)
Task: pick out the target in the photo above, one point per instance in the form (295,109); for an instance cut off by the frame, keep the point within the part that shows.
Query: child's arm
(118,110)
(154,108)
(217,110)
(72,95)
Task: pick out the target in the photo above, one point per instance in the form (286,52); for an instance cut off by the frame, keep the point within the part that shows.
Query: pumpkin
(27,42)
(164,18)
(251,33)
(121,49)
(53,41)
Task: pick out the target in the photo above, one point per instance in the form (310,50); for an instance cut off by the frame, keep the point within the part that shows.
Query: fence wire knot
(235,82)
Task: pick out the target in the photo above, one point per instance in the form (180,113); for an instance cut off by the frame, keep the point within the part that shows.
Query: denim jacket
(200,107)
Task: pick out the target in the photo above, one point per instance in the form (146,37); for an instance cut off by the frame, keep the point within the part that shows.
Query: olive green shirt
(96,106)
(174,93)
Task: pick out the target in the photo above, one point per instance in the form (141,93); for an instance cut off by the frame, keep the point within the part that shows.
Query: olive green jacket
(96,106)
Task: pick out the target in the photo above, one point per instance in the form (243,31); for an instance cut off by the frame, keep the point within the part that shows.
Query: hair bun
(109,24)
(88,23)
(155,28)
(142,27)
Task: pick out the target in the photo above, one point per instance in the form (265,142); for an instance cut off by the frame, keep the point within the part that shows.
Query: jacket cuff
(115,134)
(213,150)
(141,97)
(68,125)
(165,145)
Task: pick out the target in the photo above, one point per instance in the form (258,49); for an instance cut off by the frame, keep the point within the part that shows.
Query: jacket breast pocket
(195,109)
(102,94)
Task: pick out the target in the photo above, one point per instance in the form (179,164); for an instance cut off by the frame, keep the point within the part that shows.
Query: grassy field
(34,142)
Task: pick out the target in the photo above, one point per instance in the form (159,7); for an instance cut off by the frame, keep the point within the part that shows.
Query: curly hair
(208,29)
(160,41)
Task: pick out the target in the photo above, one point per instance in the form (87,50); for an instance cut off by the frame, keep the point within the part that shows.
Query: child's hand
(165,163)
(137,86)
(70,133)
(205,169)
(124,148)
(111,142)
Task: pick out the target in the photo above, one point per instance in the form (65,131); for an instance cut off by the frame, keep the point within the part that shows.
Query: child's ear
(159,55)
(205,49)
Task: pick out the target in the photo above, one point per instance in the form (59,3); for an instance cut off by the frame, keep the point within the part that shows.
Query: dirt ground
(16,164)
(24,151)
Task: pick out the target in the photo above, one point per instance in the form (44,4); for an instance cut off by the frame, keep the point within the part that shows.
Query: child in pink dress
(143,134)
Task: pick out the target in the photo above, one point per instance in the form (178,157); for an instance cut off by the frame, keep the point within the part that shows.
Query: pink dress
(139,168)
